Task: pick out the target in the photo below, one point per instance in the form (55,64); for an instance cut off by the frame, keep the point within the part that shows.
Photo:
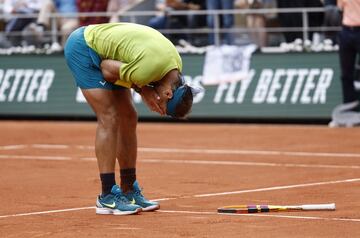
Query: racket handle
(330,206)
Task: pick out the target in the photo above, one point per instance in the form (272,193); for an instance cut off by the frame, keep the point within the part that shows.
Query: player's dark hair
(184,108)
(179,82)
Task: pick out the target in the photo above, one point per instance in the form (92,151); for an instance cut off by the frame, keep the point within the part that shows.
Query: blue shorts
(84,63)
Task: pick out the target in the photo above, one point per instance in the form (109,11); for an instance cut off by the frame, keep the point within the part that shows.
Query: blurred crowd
(28,22)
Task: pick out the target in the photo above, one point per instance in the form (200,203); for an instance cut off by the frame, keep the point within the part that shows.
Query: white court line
(90,159)
(47,212)
(196,196)
(280,187)
(12,147)
(85,147)
(264,215)
(34,157)
(205,162)
(192,212)
(204,151)
(162,199)
(241,163)
(215,162)
(246,152)
(49,146)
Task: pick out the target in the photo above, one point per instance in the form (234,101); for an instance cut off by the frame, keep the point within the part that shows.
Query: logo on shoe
(133,201)
(112,205)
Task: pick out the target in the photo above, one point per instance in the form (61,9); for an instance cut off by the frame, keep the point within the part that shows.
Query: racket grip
(330,206)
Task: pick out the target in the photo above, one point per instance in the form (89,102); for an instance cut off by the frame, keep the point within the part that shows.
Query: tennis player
(107,60)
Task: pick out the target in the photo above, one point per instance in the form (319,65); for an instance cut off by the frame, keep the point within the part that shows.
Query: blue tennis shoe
(135,196)
(116,203)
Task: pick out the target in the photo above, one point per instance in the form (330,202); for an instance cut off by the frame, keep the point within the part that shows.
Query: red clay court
(49,180)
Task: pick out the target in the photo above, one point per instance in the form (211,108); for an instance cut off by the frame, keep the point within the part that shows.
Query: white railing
(217,30)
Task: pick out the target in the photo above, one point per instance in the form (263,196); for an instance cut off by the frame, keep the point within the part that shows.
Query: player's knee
(130,118)
(109,119)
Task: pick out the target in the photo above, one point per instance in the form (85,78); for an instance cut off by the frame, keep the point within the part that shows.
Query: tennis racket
(275,208)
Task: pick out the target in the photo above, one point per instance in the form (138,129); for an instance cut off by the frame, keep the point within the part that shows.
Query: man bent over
(107,60)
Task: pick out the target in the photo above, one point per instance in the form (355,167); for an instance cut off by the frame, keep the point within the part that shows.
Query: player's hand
(152,99)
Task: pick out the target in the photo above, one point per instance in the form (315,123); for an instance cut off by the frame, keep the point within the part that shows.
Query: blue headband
(178,96)
(176,100)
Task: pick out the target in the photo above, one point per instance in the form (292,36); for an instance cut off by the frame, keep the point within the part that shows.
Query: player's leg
(84,65)
(101,101)
(112,199)
(127,150)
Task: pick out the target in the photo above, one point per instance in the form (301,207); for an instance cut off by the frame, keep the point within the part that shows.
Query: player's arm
(110,70)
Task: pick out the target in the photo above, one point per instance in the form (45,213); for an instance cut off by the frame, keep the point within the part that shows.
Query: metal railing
(217,30)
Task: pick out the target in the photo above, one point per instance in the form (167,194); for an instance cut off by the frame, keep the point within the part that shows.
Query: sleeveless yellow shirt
(145,53)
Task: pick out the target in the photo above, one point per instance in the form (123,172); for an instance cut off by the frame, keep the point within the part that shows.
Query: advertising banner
(277,86)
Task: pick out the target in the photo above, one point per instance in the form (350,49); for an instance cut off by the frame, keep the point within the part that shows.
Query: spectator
(1,12)
(347,114)
(256,22)
(227,20)
(329,2)
(66,24)
(159,21)
(116,7)
(4,43)
(197,21)
(349,48)
(295,19)
(16,25)
(164,21)
(332,18)
(92,6)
